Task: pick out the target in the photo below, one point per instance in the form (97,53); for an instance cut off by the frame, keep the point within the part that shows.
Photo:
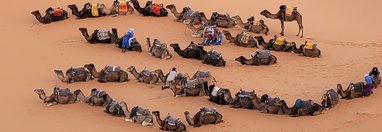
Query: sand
(348,33)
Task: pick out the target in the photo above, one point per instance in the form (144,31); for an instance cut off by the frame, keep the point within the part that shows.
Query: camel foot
(129,120)
(146,124)
(177,96)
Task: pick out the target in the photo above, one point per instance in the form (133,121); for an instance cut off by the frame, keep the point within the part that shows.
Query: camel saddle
(298,103)
(280,41)
(245,94)
(272,101)
(108,68)
(358,87)
(263,54)
(57,11)
(114,106)
(205,111)
(214,55)
(201,74)
(215,91)
(193,46)
(308,45)
(94,9)
(244,38)
(61,92)
(122,7)
(103,34)
(288,11)
(155,8)
(172,121)
(190,83)
(145,73)
(75,71)
(256,22)
(139,111)
(98,94)
(332,94)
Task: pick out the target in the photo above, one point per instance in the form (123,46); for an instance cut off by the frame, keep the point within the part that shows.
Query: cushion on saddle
(155,8)
(145,73)
(280,40)
(332,94)
(108,68)
(256,22)
(201,74)
(358,87)
(98,94)
(288,11)
(103,34)
(215,91)
(271,101)
(308,45)
(208,111)
(172,121)
(62,92)
(214,55)
(298,103)
(263,54)
(76,71)
(243,94)
(112,106)
(190,83)
(244,38)
(95,9)
(122,8)
(193,46)
(57,12)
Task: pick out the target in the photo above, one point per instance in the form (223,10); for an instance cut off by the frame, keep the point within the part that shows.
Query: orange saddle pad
(308,45)
(57,11)
(280,40)
(94,9)
(155,8)
(122,6)
(288,10)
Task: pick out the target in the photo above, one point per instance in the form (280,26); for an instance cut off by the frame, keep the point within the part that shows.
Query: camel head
(265,13)
(89,66)
(174,45)
(82,29)
(170,6)
(339,88)
(239,59)
(325,102)
(77,92)
(72,7)
(317,109)
(36,13)
(187,113)
(39,91)
(58,72)
(131,68)
(156,113)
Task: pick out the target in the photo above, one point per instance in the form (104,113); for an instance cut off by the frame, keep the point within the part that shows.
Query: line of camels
(198,85)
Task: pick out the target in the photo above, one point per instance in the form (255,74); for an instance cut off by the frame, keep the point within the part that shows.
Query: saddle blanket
(122,8)
(57,11)
(155,8)
(280,40)
(95,9)
(103,34)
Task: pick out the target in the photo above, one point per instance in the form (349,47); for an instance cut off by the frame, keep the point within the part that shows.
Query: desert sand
(348,34)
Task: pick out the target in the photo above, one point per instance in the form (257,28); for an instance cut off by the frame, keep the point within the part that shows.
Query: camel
(284,17)
(276,44)
(192,51)
(74,75)
(117,109)
(101,36)
(223,21)
(51,15)
(202,77)
(204,116)
(89,10)
(186,14)
(259,26)
(214,58)
(59,96)
(313,51)
(354,90)
(243,99)
(141,116)
(196,31)
(273,105)
(120,7)
(108,74)
(220,96)
(242,39)
(145,76)
(150,9)
(260,58)
(330,99)
(189,88)
(96,97)
(169,123)
(158,49)
(306,107)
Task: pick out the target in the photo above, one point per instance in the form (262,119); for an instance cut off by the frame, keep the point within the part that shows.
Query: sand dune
(348,33)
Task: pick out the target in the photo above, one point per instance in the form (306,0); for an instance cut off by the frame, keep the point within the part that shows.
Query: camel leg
(52,103)
(282,28)
(300,28)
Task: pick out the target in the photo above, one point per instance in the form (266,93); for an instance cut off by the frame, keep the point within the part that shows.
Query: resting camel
(169,123)
(117,109)
(51,15)
(89,10)
(191,51)
(286,14)
(242,39)
(59,96)
(150,9)
(306,107)
(257,27)
(243,99)
(330,99)
(203,117)
(101,36)
(158,49)
(196,31)
(220,96)
(141,116)
(260,58)
(276,44)
(186,14)
(96,97)
(312,51)
(189,88)
(219,20)
(354,90)
(108,74)
(145,76)
(214,58)
(74,75)
(121,7)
